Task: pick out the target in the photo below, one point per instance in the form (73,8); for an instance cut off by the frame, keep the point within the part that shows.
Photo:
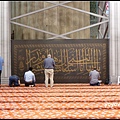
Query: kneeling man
(14,80)
(94,76)
(29,78)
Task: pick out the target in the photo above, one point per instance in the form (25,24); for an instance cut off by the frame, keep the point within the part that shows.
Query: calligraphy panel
(74,58)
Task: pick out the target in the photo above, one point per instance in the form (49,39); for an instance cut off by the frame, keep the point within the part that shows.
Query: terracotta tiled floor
(62,101)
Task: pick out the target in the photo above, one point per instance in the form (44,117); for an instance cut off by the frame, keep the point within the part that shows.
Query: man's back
(94,75)
(14,79)
(49,63)
(28,76)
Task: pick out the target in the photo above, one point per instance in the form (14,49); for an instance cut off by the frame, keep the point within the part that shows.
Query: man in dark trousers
(49,65)
(14,80)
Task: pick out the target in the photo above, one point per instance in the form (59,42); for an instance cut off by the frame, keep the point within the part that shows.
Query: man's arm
(99,76)
(2,62)
(34,77)
(53,63)
(19,81)
(90,76)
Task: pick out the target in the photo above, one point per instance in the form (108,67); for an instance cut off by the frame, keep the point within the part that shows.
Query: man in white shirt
(29,78)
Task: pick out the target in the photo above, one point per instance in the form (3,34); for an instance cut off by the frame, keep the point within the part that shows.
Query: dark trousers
(29,83)
(96,84)
(0,76)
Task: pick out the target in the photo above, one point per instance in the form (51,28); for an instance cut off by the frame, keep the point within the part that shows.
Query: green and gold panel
(74,58)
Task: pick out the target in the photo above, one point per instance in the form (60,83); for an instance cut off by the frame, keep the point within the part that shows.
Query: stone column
(114,44)
(5,40)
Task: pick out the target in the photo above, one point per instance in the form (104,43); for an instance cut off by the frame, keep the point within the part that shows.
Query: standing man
(1,64)
(94,76)
(49,65)
(29,78)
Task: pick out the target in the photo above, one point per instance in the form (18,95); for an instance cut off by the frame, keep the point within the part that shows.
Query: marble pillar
(5,40)
(114,43)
